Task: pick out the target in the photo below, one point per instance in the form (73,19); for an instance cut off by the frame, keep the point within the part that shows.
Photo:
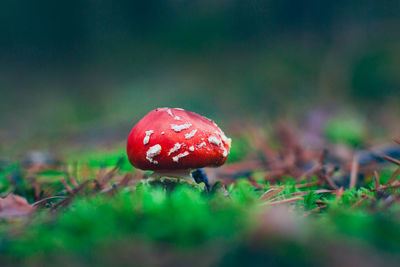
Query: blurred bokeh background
(89,70)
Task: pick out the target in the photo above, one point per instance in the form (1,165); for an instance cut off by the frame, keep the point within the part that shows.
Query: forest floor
(276,201)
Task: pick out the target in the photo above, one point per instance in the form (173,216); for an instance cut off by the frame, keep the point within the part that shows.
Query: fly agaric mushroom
(172,142)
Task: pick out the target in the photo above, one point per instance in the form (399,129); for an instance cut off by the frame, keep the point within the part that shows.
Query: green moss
(346,129)
(100,229)
(239,150)
(183,218)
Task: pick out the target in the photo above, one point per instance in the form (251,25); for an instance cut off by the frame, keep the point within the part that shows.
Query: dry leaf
(14,206)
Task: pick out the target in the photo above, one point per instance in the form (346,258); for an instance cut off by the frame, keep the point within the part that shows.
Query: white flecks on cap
(177,118)
(162,133)
(152,152)
(177,157)
(224,151)
(146,139)
(191,134)
(201,144)
(179,108)
(214,140)
(191,148)
(170,112)
(225,139)
(176,147)
(178,128)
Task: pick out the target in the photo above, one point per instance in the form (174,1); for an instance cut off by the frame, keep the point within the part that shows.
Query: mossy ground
(233,224)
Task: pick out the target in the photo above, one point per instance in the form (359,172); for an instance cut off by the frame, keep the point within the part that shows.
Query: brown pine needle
(69,177)
(81,186)
(118,185)
(397,140)
(299,194)
(320,202)
(127,178)
(392,201)
(308,184)
(358,203)
(270,193)
(67,187)
(104,180)
(320,191)
(394,175)
(65,202)
(339,192)
(330,181)
(369,197)
(376,180)
(354,171)
(73,181)
(392,160)
(310,172)
(255,184)
(45,199)
(323,156)
(285,201)
(317,209)
(393,184)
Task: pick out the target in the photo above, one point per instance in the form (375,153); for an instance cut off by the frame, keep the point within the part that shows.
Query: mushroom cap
(176,139)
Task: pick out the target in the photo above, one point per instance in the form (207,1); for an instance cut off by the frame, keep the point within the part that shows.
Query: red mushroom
(172,142)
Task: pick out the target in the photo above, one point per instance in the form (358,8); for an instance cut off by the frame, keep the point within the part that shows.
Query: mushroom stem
(186,174)
(170,179)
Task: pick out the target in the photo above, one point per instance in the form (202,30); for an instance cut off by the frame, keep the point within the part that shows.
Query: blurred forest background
(88,70)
